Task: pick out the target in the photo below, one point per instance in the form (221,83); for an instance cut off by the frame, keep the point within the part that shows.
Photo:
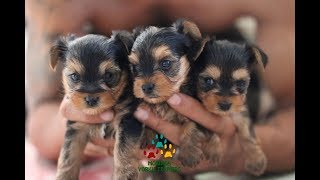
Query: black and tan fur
(96,77)
(160,62)
(228,81)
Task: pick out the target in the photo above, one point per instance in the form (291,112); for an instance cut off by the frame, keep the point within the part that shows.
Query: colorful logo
(168,151)
(159,146)
(151,152)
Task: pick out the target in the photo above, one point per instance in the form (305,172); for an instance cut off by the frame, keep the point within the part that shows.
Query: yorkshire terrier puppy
(160,62)
(228,83)
(96,77)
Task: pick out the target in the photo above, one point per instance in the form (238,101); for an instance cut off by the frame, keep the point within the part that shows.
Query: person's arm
(44,126)
(45,118)
(278,140)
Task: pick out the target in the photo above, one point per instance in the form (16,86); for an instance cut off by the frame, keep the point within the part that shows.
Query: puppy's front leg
(128,142)
(190,152)
(76,137)
(256,161)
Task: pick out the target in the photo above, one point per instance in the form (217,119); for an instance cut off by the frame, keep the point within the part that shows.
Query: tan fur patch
(133,58)
(160,52)
(117,91)
(255,159)
(211,100)
(203,43)
(212,71)
(163,88)
(181,77)
(107,65)
(107,99)
(65,81)
(240,74)
(137,88)
(192,29)
(258,57)
(75,66)
(238,102)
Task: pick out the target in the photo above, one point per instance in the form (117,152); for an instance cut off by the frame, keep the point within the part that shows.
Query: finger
(72,113)
(192,109)
(96,151)
(169,130)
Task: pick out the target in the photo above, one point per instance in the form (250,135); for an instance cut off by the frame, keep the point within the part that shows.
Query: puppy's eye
(165,64)
(111,78)
(75,77)
(210,82)
(240,83)
(108,76)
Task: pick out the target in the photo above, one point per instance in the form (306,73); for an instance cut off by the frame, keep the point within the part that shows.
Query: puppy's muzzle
(148,88)
(224,106)
(92,100)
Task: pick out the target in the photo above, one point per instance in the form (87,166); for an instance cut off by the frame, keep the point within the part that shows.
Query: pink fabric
(37,168)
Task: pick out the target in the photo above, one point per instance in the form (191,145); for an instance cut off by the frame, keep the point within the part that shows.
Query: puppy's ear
(137,31)
(125,38)
(257,56)
(187,27)
(59,49)
(191,30)
(198,47)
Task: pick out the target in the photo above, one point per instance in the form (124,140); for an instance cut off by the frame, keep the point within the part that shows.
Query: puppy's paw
(190,156)
(256,163)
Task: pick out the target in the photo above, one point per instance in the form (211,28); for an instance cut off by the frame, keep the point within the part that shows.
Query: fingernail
(141,114)
(107,116)
(174,100)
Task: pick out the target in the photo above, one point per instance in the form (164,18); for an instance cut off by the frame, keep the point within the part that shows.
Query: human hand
(97,147)
(232,159)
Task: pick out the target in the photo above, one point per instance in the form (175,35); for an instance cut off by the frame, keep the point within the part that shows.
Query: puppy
(228,76)
(96,77)
(160,62)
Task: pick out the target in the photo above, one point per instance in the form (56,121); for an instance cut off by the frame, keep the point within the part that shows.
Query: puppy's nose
(148,88)
(91,100)
(224,106)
